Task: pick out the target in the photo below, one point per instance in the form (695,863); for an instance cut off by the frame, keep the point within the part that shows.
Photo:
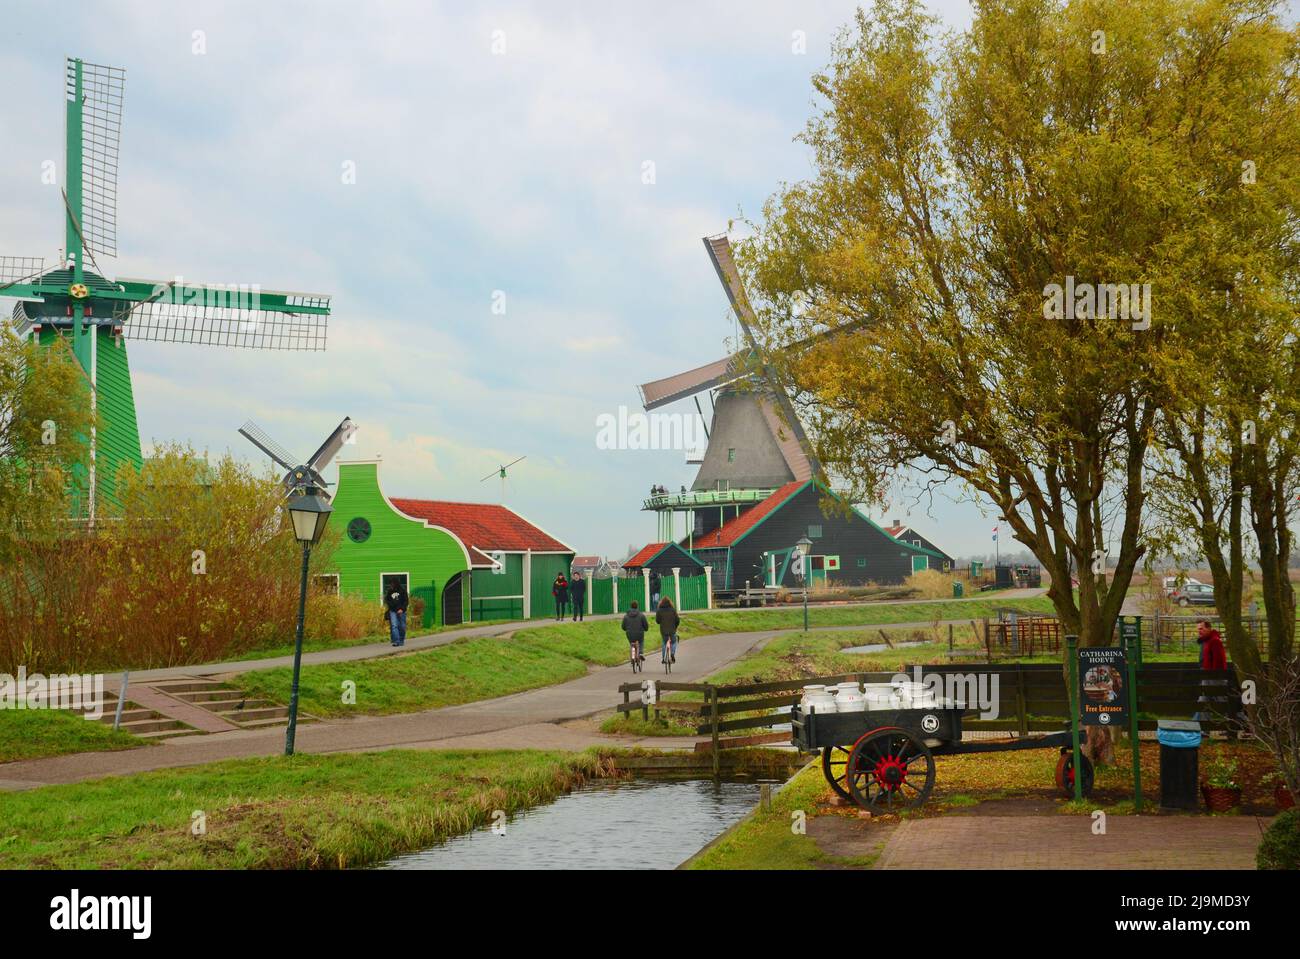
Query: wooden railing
(1030,698)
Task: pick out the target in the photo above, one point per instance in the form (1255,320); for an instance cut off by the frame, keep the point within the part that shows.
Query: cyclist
(668,620)
(636,626)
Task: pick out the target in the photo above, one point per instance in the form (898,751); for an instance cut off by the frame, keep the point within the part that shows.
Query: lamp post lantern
(805,559)
(310,512)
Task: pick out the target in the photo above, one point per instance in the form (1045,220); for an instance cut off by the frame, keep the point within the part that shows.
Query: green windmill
(75,299)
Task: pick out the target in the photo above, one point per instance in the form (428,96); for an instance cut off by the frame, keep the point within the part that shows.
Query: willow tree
(44,420)
(987,274)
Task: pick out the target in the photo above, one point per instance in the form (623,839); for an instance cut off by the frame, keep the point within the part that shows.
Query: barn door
(920,564)
(453,609)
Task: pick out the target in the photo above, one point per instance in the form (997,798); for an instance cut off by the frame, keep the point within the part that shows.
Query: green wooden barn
(468,562)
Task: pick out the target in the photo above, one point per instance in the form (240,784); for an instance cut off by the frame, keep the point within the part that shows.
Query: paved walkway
(1067,842)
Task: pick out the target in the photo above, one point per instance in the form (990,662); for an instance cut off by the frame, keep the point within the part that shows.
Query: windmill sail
(223,315)
(681,385)
(101,136)
(330,448)
(259,438)
(19,269)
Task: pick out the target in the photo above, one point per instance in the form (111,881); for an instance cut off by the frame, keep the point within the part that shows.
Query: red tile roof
(644,555)
(894,530)
(585,561)
(732,530)
(482,526)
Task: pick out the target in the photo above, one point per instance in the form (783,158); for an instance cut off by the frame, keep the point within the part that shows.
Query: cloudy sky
(512,176)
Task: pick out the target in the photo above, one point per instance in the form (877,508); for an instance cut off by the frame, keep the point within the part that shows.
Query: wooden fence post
(713,712)
(1022,701)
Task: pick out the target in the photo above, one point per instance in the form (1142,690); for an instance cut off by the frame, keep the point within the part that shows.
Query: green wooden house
(465,561)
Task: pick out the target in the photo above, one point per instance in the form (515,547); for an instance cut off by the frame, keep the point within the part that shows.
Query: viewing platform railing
(701,499)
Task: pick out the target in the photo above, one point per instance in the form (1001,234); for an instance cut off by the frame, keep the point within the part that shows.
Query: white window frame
(394,573)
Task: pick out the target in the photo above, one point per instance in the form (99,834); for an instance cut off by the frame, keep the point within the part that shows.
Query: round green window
(359,530)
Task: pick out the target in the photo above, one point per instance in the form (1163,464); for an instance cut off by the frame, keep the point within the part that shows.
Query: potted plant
(1219,787)
(1281,794)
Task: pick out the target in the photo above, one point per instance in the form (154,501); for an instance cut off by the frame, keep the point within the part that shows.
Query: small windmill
(76,299)
(501,472)
(306,472)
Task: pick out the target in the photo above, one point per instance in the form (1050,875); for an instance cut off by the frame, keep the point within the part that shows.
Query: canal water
(628,824)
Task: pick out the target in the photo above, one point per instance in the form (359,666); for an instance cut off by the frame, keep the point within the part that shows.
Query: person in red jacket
(1212,654)
(1212,658)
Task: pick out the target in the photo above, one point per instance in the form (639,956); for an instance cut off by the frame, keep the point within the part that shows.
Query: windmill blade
(235,315)
(259,438)
(102,89)
(330,448)
(19,269)
(659,393)
(719,248)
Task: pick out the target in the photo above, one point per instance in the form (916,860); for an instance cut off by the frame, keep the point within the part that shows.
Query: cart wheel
(890,769)
(835,760)
(1065,773)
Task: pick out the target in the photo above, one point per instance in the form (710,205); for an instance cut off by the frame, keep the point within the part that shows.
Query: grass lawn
(303,812)
(319,645)
(28,734)
(736,620)
(766,840)
(467,670)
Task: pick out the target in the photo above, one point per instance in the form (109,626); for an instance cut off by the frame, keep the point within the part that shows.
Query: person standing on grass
(560,590)
(636,626)
(395,603)
(578,596)
(668,620)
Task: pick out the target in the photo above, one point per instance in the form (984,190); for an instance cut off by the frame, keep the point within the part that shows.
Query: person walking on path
(668,619)
(560,590)
(655,585)
(636,626)
(578,596)
(395,603)
(1213,658)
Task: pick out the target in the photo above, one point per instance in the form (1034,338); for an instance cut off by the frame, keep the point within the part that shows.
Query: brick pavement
(1067,842)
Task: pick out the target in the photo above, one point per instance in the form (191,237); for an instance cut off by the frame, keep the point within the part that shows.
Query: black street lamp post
(309,511)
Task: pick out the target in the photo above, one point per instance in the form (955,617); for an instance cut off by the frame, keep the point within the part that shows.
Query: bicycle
(635,656)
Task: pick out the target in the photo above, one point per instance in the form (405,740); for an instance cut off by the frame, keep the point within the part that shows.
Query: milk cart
(883,759)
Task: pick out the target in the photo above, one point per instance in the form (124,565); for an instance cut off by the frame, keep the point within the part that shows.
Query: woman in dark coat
(560,590)
(668,620)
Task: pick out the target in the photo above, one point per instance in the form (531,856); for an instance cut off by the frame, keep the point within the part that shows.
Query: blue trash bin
(1180,742)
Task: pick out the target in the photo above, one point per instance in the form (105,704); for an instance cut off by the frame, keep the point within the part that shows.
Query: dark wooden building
(908,534)
(848,549)
(661,558)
